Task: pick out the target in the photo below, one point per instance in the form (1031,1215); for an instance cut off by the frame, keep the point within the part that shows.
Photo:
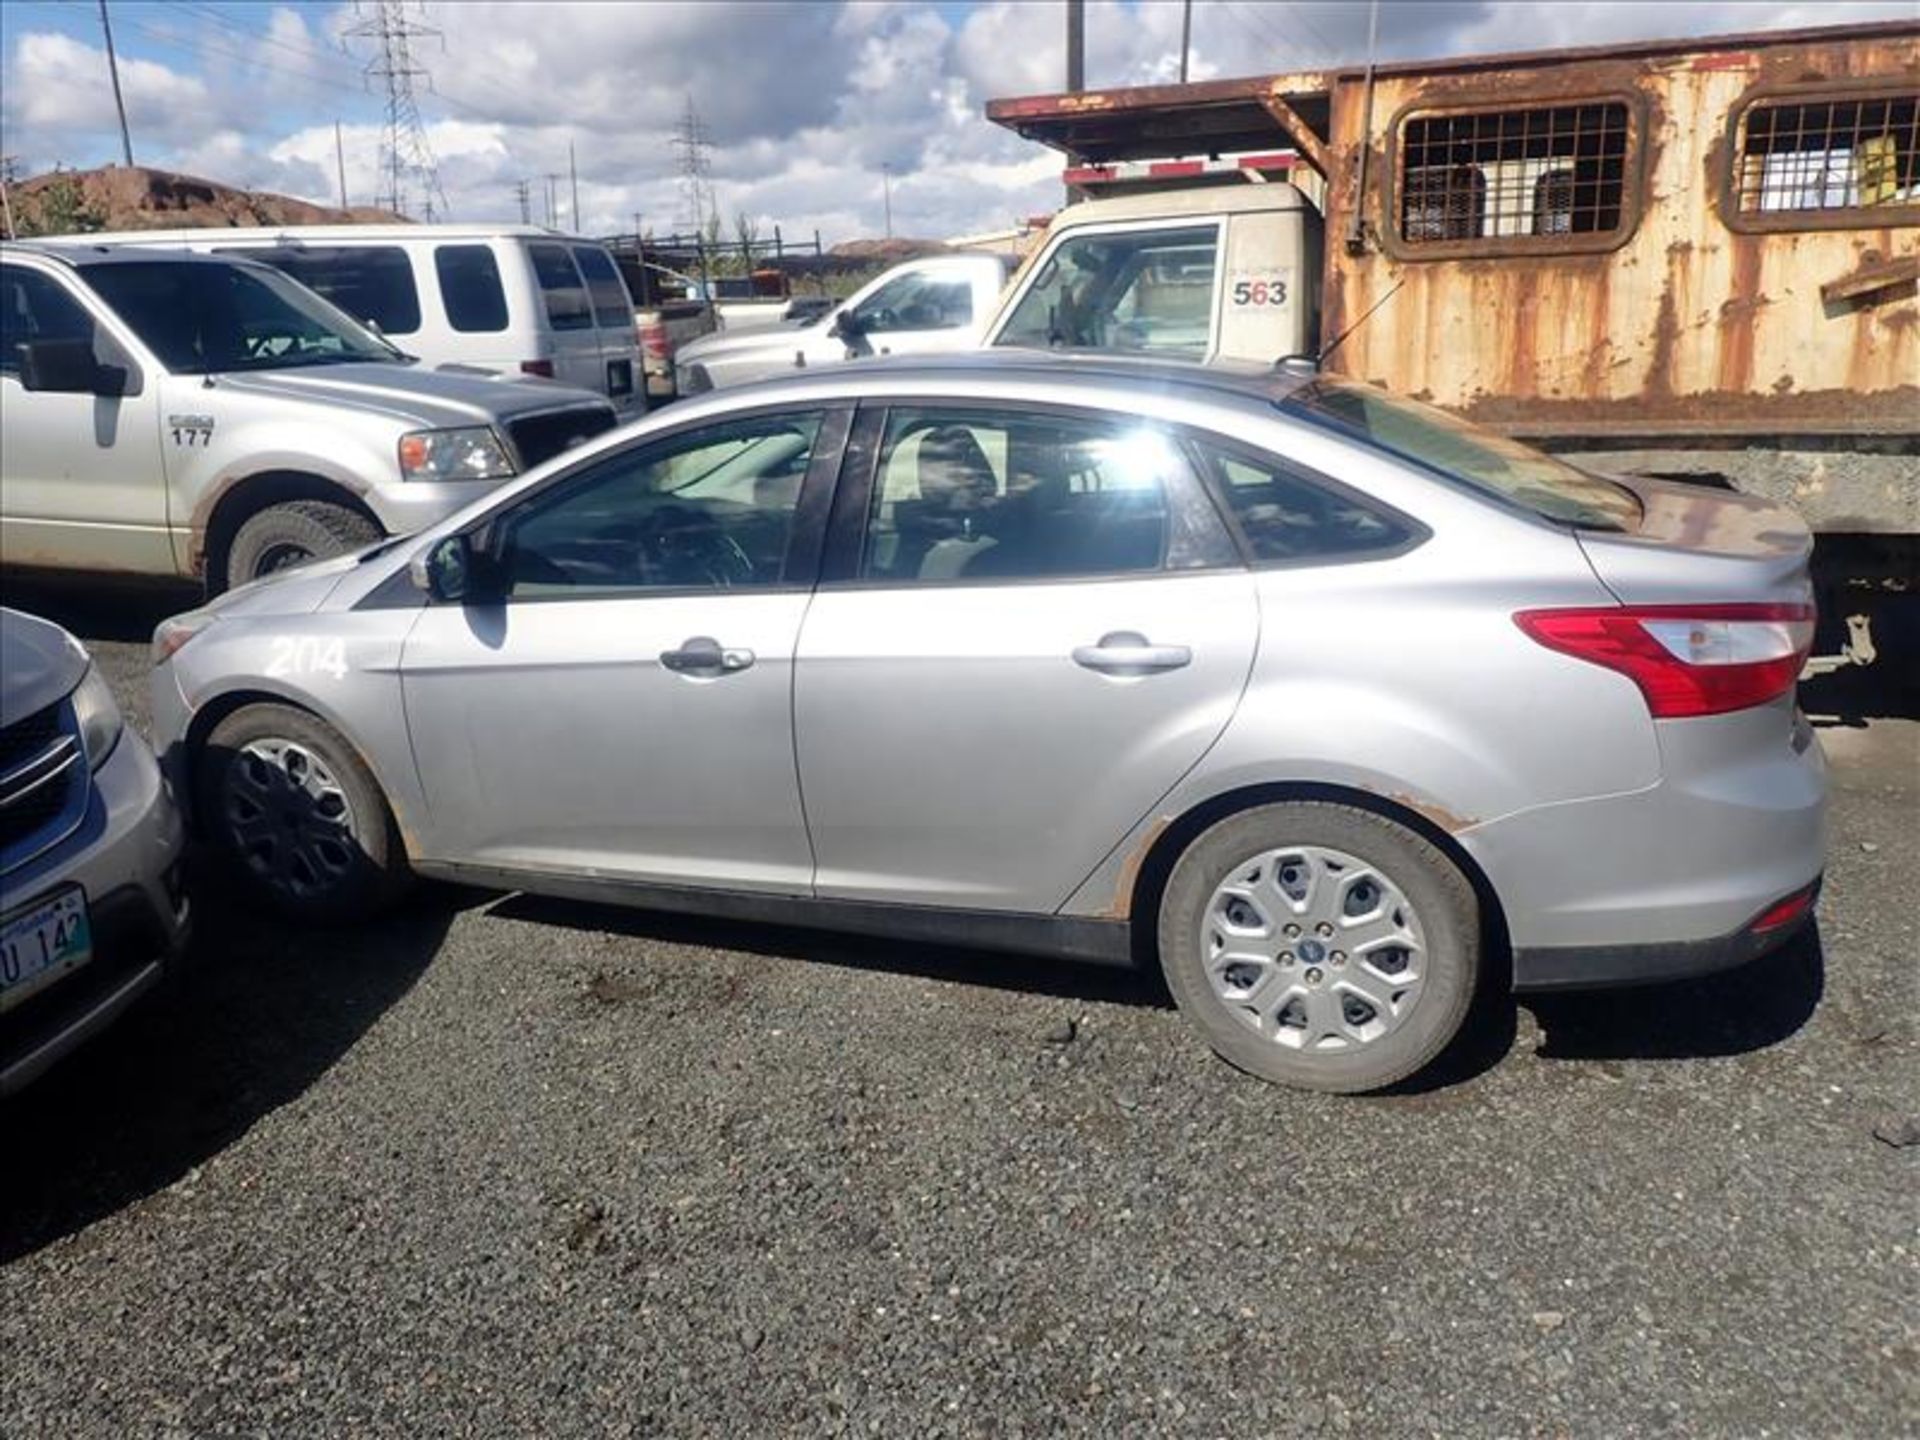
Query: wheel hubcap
(281,557)
(289,818)
(1313,948)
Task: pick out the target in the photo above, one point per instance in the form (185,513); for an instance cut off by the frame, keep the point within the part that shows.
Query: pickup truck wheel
(292,533)
(1321,946)
(297,819)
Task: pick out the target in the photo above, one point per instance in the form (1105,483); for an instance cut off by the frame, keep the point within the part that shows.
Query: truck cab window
(35,307)
(1148,291)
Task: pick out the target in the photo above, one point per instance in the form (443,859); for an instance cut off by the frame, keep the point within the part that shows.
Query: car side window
(612,310)
(374,283)
(1288,514)
(709,509)
(917,302)
(568,306)
(470,288)
(986,496)
(36,307)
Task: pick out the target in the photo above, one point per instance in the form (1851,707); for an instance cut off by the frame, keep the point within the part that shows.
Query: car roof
(318,234)
(89,252)
(1234,380)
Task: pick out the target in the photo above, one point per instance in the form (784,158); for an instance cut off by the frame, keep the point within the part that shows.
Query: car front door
(1033,624)
(81,478)
(624,706)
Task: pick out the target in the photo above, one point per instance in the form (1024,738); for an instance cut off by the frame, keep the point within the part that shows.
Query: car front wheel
(297,818)
(1320,945)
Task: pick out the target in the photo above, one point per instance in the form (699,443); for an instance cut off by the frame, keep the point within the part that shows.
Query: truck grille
(538,438)
(43,783)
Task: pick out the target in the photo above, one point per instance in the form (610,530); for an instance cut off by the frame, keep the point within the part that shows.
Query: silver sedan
(1310,694)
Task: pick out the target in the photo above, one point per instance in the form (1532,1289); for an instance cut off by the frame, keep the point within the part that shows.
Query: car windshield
(1487,461)
(199,316)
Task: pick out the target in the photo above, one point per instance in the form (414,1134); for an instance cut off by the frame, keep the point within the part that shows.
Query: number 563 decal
(1259,290)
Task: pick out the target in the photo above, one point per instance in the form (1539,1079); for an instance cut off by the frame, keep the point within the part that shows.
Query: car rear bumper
(1667,881)
(126,856)
(1598,967)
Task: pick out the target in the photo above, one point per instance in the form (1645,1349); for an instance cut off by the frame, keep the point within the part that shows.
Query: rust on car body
(1702,306)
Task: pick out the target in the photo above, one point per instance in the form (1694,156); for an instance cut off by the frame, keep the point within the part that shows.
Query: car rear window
(1459,450)
(612,310)
(568,307)
(372,283)
(470,288)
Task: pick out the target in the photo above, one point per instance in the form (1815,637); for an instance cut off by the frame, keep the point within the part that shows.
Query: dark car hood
(39,664)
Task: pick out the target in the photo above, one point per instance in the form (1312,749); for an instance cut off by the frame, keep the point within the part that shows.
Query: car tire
(292,533)
(1320,946)
(295,817)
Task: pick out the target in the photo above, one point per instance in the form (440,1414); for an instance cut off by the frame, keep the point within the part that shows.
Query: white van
(512,299)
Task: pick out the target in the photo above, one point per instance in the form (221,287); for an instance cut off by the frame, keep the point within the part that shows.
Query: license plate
(42,942)
(619,377)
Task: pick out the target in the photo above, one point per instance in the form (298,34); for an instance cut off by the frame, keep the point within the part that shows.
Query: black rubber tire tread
(320,527)
(1449,914)
(380,879)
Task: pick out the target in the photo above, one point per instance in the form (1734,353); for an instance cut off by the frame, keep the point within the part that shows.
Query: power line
(405,147)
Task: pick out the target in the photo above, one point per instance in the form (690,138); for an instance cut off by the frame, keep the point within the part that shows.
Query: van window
(566,294)
(1827,153)
(372,283)
(1536,174)
(612,310)
(1148,291)
(470,288)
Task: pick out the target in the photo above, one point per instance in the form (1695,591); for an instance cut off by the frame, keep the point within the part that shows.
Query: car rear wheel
(292,533)
(1320,945)
(297,818)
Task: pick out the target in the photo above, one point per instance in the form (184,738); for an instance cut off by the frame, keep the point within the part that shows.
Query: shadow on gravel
(1733,1013)
(260,1013)
(1028,974)
(101,608)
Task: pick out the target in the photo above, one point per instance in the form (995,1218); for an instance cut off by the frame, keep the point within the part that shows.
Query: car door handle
(1125,652)
(704,655)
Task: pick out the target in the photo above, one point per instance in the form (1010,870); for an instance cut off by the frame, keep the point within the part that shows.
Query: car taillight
(653,340)
(1785,912)
(1686,659)
(537,367)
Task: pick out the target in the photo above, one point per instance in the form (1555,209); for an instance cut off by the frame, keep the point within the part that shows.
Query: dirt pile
(118,197)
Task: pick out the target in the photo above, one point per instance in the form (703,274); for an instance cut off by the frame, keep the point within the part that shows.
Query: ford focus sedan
(1307,694)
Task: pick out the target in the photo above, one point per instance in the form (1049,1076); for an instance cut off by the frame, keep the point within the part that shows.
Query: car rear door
(572,339)
(613,325)
(1032,625)
(625,709)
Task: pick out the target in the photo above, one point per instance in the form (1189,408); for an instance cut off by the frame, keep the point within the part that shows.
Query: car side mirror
(454,571)
(68,367)
(846,326)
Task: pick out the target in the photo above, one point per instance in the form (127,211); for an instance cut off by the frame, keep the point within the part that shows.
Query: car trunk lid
(1698,543)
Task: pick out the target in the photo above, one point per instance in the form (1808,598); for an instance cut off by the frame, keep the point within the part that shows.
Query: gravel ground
(502,1166)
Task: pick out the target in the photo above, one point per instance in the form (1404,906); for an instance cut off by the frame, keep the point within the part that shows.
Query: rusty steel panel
(1686,321)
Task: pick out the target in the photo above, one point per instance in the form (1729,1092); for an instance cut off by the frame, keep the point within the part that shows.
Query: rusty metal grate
(1502,174)
(1830,153)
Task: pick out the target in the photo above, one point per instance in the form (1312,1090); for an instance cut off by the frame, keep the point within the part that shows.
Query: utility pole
(113,69)
(886,183)
(340,162)
(573,174)
(1076,45)
(520,192)
(1186,36)
(553,200)
(8,175)
(404,147)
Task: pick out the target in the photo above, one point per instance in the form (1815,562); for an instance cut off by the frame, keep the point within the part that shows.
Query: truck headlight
(99,717)
(473,453)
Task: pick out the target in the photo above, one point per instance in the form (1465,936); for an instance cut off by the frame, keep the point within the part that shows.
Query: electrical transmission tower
(692,147)
(404,151)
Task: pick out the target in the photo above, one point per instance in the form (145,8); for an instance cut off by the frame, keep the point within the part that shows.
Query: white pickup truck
(939,303)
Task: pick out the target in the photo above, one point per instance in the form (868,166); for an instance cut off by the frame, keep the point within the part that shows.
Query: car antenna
(1341,338)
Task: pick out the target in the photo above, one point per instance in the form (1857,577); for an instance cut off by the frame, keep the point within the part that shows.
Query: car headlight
(99,717)
(474,453)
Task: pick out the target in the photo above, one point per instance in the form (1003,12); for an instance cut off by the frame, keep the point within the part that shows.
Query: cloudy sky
(808,104)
